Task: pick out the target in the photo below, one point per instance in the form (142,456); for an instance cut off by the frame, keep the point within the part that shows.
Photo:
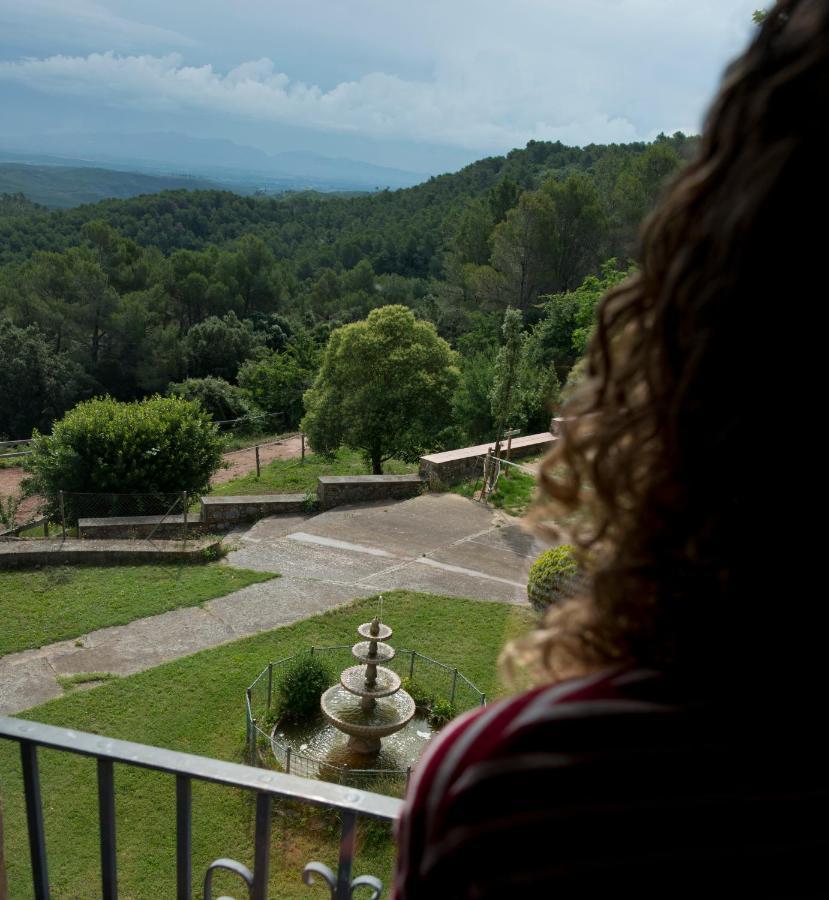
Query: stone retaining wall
(136,527)
(441,469)
(337,490)
(224,512)
(20,554)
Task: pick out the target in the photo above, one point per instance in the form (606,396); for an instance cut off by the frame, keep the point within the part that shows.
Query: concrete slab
(26,679)
(417,576)
(260,607)
(305,560)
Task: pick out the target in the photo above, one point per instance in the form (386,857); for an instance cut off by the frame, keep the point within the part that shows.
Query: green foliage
(37,385)
(441,712)
(471,404)
(417,691)
(553,577)
(219,346)
(8,511)
(298,688)
(220,399)
(384,388)
(164,444)
(505,395)
(276,383)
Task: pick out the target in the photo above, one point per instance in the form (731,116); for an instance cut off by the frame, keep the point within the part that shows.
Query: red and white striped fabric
(608,783)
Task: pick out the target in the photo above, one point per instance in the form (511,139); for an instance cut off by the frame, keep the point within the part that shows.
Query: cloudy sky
(426,85)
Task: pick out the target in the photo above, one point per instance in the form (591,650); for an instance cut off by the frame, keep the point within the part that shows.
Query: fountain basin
(365,727)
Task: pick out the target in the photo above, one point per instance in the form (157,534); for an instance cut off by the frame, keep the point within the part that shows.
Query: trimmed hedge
(553,577)
(162,445)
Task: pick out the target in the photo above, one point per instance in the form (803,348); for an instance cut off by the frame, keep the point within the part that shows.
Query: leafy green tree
(385,388)
(164,444)
(472,406)
(506,389)
(37,385)
(276,382)
(223,401)
(219,346)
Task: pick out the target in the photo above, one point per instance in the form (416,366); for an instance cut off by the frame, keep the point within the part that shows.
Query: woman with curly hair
(673,745)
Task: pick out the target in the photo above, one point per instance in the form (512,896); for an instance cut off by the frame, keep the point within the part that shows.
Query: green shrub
(553,577)
(417,692)
(298,688)
(220,399)
(441,712)
(162,445)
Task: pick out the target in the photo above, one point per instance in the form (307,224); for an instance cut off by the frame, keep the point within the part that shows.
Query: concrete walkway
(440,543)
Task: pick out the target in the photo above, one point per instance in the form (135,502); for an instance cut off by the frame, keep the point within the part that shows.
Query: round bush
(162,445)
(299,687)
(553,577)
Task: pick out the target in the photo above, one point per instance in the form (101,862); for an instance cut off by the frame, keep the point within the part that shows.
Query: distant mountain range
(220,162)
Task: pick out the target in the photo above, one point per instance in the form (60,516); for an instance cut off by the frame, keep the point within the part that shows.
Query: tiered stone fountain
(368,703)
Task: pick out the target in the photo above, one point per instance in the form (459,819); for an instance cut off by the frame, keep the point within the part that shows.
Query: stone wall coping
(528,440)
(413,478)
(174,518)
(251,499)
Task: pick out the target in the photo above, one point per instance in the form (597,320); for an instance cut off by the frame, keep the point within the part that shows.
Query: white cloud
(486,113)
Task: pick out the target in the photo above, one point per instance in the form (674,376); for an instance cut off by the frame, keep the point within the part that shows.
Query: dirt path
(240,462)
(10,480)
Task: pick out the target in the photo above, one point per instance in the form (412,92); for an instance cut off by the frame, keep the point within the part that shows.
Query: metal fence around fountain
(439,680)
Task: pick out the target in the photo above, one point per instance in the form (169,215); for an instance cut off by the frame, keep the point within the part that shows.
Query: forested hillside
(126,297)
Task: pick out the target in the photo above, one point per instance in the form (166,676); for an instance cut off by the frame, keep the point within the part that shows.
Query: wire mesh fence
(422,675)
(154,515)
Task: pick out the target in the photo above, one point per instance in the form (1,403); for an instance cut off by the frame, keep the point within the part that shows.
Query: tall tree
(385,388)
(506,392)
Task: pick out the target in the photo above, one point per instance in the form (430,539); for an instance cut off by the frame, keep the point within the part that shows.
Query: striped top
(607,783)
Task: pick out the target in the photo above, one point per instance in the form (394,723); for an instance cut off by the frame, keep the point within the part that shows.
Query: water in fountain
(368,703)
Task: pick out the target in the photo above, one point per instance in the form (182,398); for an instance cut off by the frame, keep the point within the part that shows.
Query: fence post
(287,760)
(408,776)
(454,686)
(257,460)
(270,685)
(411,664)
(184,507)
(62,515)
(46,527)
(483,699)
(302,447)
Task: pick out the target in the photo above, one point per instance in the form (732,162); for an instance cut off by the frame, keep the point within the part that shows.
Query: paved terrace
(441,543)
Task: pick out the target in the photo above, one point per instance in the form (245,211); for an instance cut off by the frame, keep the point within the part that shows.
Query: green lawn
(286,476)
(196,704)
(513,493)
(41,606)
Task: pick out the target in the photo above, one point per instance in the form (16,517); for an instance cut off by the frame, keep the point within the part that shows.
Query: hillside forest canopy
(131,298)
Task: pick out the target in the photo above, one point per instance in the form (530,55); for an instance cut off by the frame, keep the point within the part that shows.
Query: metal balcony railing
(266,784)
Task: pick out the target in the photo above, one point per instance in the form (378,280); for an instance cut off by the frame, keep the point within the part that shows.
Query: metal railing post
(348,838)
(258,472)
(34,818)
